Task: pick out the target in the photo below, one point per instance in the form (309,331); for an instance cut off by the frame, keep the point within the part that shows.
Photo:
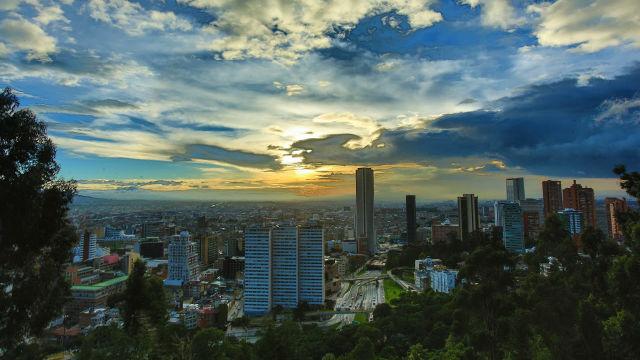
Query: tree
(135,298)
(35,236)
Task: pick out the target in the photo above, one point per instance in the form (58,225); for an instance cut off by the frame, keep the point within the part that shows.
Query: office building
(512,229)
(231,246)
(183,260)
(284,265)
(364,226)
(574,221)
(412,224)
(232,266)
(532,217)
(93,296)
(552,197)
(88,246)
(613,207)
(581,199)
(151,249)
(468,215)
(497,212)
(515,189)
(128,260)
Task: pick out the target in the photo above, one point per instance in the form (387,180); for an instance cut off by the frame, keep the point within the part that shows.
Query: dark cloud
(201,127)
(235,157)
(548,129)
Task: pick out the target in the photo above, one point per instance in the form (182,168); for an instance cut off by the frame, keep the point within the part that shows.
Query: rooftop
(100,285)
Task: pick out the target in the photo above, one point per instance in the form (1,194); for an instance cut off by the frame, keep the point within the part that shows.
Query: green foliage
(35,235)
(392,290)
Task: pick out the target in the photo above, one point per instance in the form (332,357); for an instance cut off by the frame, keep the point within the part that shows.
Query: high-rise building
(581,199)
(412,224)
(208,249)
(515,189)
(497,212)
(311,264)
(614,207)
(512,229)
(443,232)
(88,246)
(231,246)
(182,260)
(574,221)
(257,271)
(364,227)
(468,215)
(284,265)
(532,217)
(552,197)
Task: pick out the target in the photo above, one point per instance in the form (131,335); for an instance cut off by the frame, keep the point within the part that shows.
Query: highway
(362,295)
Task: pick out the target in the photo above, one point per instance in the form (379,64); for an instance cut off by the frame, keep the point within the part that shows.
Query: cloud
(590,25)
(620,110)
(7,5)
(26,36)
(545,129)
(134,19)
(285,30)
(223,155)
(497,13)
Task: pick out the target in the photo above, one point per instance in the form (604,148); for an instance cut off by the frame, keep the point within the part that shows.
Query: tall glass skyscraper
(284,265)
(365,228)
(515,189)
(512,228)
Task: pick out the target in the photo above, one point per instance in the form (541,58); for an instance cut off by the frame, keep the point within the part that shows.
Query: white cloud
(591,25)
(620,110)
(285,30)
(24,35)
(497,13)
(7,5)
(49,14)
(133,19)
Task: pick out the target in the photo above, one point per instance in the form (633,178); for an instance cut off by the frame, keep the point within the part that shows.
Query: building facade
(532,217)
(515,189)
(183,263)
(512,228)
(574,221)
(468,215)
(582,199)
(365,233)
(551,197)
(257,271)
(88,246)
(613,207)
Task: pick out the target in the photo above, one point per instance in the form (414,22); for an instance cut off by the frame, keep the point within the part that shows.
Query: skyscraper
(498,212)
(512,229)
(552,197)
(365,230)
(257,271)
(613,207)
(515,189)
(582,199)
(412,224)
(468,214)
(88,246)
(182,260)
(284,265)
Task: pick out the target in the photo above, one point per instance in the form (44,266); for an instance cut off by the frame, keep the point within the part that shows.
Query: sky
(283,100)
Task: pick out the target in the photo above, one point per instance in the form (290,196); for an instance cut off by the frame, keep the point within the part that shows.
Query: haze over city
(253,100)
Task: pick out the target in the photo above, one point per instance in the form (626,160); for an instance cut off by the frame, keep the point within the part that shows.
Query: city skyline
(211,101)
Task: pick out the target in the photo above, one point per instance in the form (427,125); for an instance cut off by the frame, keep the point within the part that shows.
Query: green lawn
(408,276)
(362,317)
(391,290)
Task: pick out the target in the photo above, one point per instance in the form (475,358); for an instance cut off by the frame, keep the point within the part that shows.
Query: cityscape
(319,180)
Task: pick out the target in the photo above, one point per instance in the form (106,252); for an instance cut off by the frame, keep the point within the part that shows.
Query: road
(360,296)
